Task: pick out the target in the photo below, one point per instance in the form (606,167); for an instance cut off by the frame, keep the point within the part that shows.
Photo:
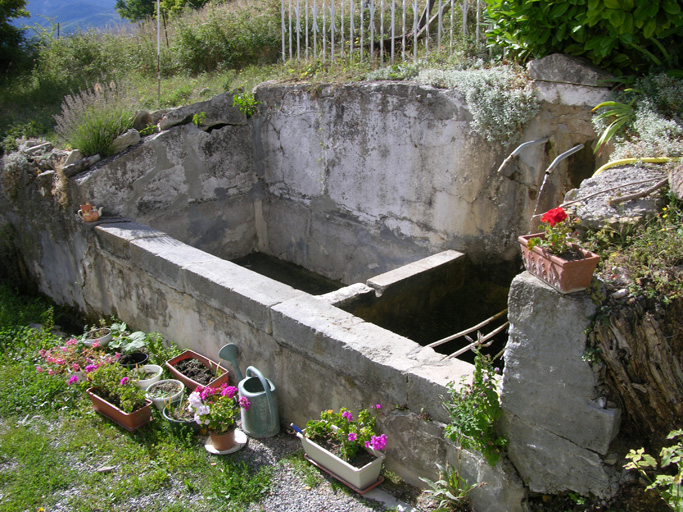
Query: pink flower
(352,436)
(348,416)
(75,367)
(231,391)
(378,406)
(39,369)
(50,372)
(244,403)
(377,442)
(96,344)
(73,379)
(42,352)
(90,368)
(124,380)
(117,355)
(72,341)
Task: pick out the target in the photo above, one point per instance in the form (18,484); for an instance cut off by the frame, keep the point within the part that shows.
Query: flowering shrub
(114,384)
(217,408)
(73,357)
(559,235)
(348,434)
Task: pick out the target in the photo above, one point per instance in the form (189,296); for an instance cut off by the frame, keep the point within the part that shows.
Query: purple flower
(123,381)
(231,391)
(244,403)
(73,380)
(90,368)
(378,442)
(348,416)
(352,436)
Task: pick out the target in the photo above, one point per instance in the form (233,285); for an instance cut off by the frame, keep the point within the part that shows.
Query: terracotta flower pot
(190,383)
(130,421)
(563,275)
(224,441)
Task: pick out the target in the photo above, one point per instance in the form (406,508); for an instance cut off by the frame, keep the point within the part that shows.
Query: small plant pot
(180,423)
(165,392)
(156,372)
(130,421)
(192,384)
(102,335)
(133,359)
(564,275)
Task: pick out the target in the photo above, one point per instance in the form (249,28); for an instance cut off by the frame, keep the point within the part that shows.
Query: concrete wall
(317,355)
(351,182)
(364,178)
(348,181)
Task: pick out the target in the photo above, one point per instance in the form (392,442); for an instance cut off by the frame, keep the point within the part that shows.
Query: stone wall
(559,427)
(348,181)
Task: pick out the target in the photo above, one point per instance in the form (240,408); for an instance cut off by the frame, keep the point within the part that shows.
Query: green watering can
(261,419)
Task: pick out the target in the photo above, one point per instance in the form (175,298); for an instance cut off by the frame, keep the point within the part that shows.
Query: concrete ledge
(436,267)
(227,286)
(116,238)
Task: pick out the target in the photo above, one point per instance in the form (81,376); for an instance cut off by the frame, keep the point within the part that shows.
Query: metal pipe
(518,150)
(550,168)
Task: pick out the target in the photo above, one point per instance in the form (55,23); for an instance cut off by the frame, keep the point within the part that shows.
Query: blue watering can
(261,419)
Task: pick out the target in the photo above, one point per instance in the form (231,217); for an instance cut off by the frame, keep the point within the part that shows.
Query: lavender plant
(91,120)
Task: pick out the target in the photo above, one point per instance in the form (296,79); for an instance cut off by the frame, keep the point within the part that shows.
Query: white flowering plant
(216,408)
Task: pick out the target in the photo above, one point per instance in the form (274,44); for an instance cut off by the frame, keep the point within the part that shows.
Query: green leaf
(671,7)
(558,10)
(613,4)
(649,29)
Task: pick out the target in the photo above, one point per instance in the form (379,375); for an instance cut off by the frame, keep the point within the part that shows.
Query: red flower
(554,216)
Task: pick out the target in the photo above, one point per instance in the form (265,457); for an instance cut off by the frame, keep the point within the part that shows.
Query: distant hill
(72,16)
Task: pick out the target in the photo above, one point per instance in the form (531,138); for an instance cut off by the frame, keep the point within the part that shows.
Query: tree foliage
(11,38)
(619,35)
(135,10)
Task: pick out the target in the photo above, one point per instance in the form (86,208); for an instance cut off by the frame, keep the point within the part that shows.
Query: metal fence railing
(384,31)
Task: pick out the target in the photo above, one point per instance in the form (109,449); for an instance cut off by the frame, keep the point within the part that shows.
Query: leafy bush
(91,120)
(617,35)
(474,409)
(500,100)
(646,119)
(451,491)
(648,257)
(670,487)
(228,40)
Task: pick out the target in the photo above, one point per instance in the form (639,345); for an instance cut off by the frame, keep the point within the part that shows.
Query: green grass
(52,443)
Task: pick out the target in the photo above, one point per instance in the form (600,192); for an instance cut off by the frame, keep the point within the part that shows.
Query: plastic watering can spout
(229,353)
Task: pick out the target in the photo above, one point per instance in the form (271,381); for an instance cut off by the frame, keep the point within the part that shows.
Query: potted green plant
(347,448)
(146,375)
(554,256)
(218,408)
(164,392)
(100,335)
(114,394)
(181,416)
(130,345)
